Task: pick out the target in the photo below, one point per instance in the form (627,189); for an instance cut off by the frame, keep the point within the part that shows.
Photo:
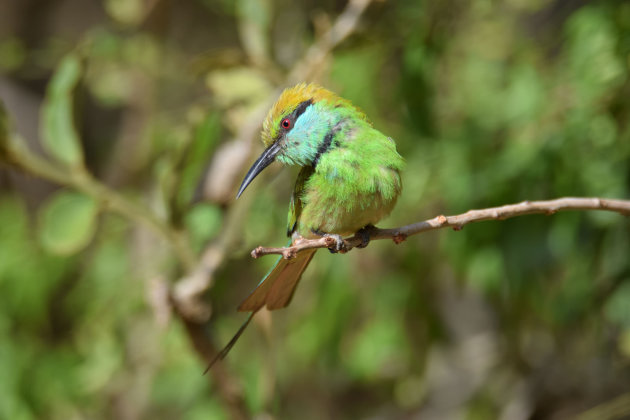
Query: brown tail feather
(276,289)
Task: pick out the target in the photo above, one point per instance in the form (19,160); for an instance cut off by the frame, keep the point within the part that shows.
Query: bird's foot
(336,242)
(364,234)
(338,246)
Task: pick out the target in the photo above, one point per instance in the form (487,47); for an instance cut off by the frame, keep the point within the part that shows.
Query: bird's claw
(338,246)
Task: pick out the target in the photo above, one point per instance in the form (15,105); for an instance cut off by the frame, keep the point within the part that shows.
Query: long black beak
(268,156)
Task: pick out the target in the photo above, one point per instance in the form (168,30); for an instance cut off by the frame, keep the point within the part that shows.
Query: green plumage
(355,184)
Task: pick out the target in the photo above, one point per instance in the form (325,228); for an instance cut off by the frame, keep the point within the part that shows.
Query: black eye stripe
(292,117)
(301,108)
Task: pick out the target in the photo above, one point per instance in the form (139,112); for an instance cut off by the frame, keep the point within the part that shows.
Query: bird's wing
(295,208)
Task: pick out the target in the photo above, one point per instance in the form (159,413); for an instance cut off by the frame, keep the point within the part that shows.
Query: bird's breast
(345,194)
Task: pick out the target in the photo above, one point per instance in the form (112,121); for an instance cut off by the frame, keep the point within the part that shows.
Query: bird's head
(297,125)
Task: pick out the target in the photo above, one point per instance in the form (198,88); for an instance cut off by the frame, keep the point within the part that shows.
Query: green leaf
(58,133)
(67,223)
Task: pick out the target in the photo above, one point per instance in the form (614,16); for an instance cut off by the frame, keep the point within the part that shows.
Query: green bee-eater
(349,180)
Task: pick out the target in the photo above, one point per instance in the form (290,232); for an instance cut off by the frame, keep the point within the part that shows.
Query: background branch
(17,154)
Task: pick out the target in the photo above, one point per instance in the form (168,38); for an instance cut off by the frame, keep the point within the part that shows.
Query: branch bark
(456,222)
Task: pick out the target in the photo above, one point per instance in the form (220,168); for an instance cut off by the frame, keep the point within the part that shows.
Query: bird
(348,181)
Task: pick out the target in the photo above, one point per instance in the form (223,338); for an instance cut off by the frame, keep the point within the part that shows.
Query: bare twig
(456,222)
(188,292)
(345,24)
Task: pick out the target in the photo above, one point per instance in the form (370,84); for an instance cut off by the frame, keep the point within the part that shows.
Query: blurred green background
(123,254)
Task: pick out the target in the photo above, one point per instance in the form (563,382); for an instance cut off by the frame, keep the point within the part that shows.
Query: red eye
(286,123)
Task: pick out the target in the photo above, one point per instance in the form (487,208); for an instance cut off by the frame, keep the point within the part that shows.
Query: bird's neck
(323,129)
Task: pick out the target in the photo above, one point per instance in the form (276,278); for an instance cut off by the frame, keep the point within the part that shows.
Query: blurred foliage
(490,102)
(67,223)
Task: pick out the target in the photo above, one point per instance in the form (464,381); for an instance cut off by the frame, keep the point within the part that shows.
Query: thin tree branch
(456,222)
(344,26)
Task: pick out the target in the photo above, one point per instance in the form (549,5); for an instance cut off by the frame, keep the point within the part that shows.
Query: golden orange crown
(290,99)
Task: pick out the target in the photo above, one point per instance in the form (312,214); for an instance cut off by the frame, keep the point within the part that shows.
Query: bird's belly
(333,209)
(348,221)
